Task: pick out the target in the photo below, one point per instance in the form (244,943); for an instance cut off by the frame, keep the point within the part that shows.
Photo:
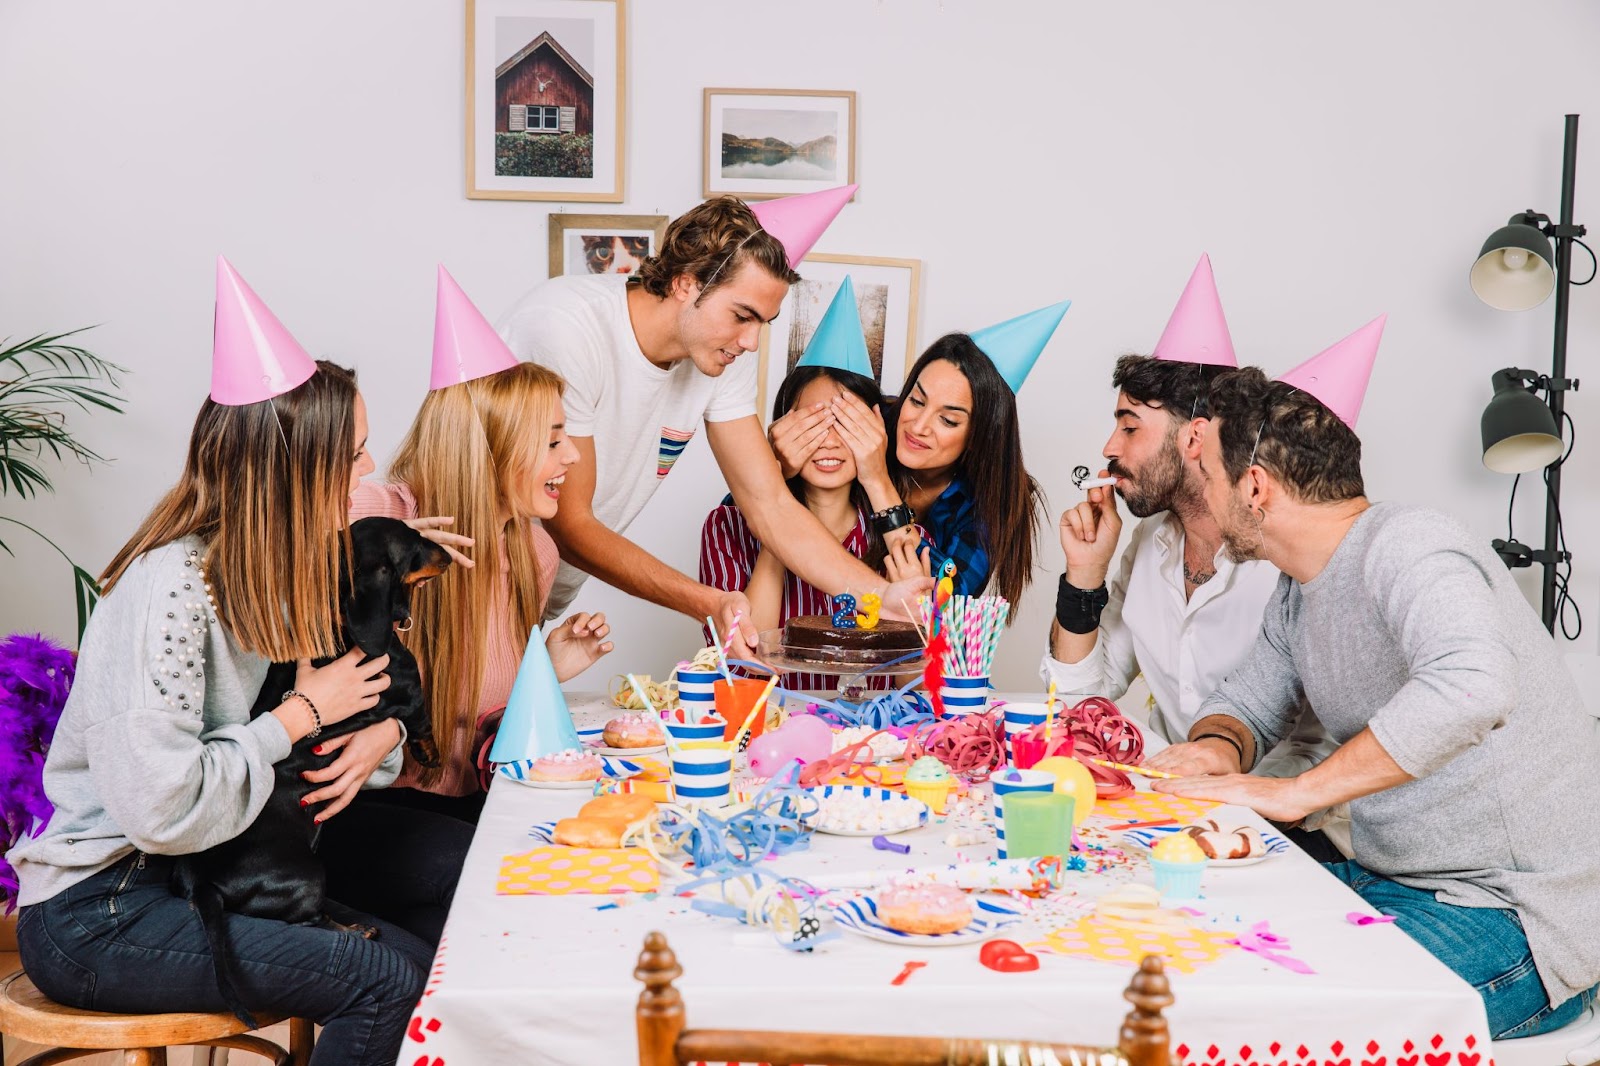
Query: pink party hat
(1338,376)
(797,221)
(1197,332)
(253,358)
(465,346)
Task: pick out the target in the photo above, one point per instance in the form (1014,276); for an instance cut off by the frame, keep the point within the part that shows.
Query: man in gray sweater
(1450,703)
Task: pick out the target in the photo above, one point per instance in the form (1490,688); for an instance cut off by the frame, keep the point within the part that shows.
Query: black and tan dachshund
(271,870)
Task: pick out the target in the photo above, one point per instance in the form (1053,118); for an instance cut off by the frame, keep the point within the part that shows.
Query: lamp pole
(1564,232)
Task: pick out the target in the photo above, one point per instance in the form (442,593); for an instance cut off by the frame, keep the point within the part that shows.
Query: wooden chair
(664,1040)
(28,1014)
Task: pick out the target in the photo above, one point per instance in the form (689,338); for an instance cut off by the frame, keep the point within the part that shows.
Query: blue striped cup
(712,729)
(964,694)
(702,777)
(1005,781)
(697,693)
(1019,718)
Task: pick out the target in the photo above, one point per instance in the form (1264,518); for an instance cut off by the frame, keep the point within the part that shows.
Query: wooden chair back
(665,1039)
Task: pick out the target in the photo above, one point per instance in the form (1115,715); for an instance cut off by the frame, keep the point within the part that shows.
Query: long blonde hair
(473,449)
(266,487)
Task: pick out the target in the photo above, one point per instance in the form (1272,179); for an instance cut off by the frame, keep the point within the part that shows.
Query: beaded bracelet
(316,729)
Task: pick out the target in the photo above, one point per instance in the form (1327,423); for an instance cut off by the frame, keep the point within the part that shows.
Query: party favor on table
(560,871)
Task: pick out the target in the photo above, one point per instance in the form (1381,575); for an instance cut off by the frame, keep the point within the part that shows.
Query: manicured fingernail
(317,750)
(319,819)
(304,802)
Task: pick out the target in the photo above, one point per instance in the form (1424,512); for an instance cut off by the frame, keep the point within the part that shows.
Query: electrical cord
(1563,576)
(1594,263)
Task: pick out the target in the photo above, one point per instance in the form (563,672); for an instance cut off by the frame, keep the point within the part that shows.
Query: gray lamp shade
(1515,270)
(1519,432)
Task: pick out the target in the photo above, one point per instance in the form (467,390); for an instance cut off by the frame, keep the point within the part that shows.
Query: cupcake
(634,731)
(1178,862)
(568,765)
(929,781)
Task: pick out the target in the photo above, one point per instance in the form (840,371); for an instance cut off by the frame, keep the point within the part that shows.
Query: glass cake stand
(850,667)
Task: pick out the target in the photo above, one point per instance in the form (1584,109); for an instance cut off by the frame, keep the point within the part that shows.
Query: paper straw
(1140,770)
(1049,711)
(716,642)
(672,745)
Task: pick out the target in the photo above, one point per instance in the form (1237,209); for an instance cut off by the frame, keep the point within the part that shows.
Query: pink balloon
(816,738)
(769,752)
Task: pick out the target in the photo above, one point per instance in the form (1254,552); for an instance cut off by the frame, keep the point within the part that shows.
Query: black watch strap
(890,519)
(1078,610)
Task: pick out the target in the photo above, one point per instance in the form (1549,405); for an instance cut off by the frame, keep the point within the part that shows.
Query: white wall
(1336,161)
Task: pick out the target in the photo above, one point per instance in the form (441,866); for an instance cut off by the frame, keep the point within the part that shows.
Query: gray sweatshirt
(1417,631)
(155,749)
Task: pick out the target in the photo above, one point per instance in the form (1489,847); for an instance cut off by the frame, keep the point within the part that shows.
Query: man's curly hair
(710,243)
(1303,444)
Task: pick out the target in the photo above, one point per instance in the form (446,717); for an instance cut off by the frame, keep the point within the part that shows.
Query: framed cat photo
(603,244)
(762,143)
(545,92)
(887,294)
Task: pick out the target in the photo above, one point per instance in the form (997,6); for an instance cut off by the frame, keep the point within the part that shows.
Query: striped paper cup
(1015,781)
(964,694)
(697,693)
(711,728)
(1019,718)
(702,777)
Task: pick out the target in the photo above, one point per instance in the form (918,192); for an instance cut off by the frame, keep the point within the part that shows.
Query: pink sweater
(502,654)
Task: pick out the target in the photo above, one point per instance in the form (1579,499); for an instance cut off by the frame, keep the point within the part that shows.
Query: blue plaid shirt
(952,523)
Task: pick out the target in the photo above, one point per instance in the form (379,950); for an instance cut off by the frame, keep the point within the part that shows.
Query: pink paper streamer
(1262,941)
(1357,918)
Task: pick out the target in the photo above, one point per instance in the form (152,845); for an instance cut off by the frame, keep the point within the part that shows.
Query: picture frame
(603,244)
(888,291)
(545,96)
(758,144)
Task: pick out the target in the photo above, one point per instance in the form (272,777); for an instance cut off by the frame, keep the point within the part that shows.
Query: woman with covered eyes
(831,412)
(955,452)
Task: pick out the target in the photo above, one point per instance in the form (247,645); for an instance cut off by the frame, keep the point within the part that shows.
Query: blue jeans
(1485,947)
(121,941)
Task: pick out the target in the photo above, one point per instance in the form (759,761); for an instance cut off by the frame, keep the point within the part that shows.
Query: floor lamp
(1517,270)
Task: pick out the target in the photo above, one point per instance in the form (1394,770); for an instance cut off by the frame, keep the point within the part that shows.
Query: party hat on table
(1197,332)
(465,346)
(797,221)
(1338,376)
(536,721)
(838,342)
(253,358)
(1014,345)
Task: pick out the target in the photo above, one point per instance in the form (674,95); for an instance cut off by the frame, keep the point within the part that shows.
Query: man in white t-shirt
(646,359)
(1179,611)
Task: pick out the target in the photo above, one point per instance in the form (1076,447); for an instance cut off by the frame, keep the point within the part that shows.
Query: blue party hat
(1014,345)
(838,342)
(536,720)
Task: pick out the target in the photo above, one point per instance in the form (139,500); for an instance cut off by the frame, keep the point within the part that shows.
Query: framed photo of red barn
(545,92)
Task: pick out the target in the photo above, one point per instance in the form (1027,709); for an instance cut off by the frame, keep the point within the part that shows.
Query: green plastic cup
(1038,823)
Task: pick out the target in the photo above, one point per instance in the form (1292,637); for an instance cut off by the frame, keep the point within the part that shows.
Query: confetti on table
(906,971)
(562,871)
(1357,918)
(1185,951)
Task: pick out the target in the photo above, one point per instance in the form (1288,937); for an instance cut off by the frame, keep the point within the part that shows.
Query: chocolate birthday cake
(814,636)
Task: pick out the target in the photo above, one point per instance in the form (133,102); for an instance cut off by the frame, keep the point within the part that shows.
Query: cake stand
(852,670)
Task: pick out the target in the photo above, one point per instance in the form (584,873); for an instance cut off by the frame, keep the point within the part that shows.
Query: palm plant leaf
(42,379)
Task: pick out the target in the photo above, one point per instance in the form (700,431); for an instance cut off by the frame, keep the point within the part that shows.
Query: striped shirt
(728,552)
(502,649)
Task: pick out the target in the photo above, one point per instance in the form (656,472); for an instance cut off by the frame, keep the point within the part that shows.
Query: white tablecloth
(548,980)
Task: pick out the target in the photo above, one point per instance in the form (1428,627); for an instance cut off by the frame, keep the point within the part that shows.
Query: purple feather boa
(35,675)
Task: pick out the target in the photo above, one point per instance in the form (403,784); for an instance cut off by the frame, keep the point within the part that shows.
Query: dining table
(1276,963)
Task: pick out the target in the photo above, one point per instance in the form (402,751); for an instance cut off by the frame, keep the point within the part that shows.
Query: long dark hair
(867,389)
(1007,499)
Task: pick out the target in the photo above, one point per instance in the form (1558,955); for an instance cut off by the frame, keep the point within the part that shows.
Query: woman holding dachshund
(489,448)
(156,755)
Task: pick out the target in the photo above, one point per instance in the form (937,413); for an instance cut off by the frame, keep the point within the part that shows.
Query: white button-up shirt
(1183,646)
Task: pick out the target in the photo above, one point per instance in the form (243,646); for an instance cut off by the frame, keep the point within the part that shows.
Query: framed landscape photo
(887,294)
(762,143)
(603,244)
(545,98)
